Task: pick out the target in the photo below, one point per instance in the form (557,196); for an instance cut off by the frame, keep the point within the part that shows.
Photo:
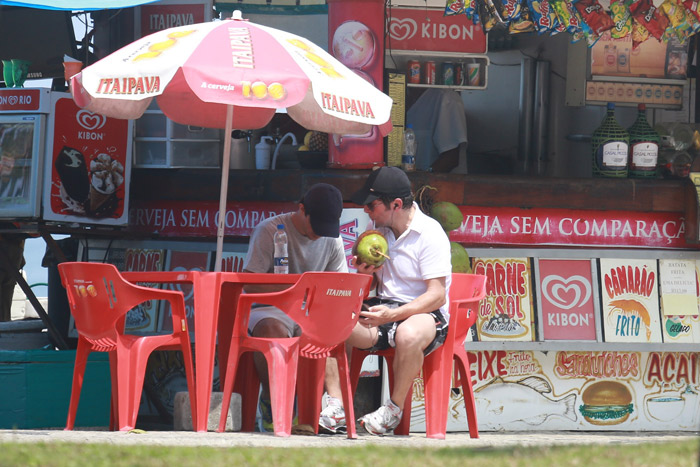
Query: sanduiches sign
(513,226)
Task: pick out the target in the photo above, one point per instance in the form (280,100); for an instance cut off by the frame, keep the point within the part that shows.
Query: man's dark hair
(407,200)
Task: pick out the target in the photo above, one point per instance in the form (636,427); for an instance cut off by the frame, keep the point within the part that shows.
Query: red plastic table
(215,300)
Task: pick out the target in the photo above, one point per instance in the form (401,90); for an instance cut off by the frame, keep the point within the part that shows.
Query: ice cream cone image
(106,176)
(97,199)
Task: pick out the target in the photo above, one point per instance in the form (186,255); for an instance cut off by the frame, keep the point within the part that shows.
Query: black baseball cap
(323,203)
(389,182)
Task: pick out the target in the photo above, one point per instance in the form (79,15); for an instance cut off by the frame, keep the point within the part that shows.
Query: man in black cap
(314,244)
(410,311)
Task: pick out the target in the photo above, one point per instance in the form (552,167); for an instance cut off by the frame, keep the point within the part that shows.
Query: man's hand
(376,315)
(364,268)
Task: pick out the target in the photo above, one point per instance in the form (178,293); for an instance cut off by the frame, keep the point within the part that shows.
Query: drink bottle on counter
(610,147)
(408,158)
(644,146)
(281,255)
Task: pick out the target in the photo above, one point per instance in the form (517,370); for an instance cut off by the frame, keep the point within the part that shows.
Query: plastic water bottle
(281,256)
(408,158)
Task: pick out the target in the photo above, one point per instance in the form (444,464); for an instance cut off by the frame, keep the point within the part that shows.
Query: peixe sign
(430,30)
(515,226)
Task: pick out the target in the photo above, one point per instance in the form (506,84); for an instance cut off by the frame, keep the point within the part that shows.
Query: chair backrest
(99,299)
(327,306)
(466,291)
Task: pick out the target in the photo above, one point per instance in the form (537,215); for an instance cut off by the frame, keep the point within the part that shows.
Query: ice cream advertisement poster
(506,311)
(576,390)
(565,295)
(89,166)
(630,300)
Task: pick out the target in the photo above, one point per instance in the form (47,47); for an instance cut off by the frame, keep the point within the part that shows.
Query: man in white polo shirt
(410,311)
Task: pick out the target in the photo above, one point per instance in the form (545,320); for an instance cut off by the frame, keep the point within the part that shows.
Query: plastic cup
(473,71)
(70,69)
(8,73)
(20,69)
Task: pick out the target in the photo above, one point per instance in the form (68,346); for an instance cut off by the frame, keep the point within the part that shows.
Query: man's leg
(332,417)
(412,337)
(361,337)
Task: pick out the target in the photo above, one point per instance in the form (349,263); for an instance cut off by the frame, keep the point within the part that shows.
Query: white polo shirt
(422,252)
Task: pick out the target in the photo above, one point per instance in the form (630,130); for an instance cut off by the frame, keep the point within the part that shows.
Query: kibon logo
(567,293)
(90,121)
(402,29)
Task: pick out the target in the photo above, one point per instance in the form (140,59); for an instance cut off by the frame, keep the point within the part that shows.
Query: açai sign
(430,30)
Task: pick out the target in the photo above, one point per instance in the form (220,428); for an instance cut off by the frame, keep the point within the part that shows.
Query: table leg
(207,295)
(227,315)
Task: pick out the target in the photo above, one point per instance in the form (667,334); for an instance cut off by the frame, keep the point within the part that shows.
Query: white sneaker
(332,418)
(382,420)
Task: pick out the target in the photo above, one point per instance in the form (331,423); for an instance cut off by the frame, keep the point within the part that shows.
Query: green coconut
(447,214)
(460,258)
(371,248)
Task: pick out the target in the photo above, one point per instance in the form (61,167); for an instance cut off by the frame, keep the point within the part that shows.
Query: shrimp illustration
(632,307)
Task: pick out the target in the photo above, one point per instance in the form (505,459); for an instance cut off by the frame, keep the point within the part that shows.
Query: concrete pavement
(486,440)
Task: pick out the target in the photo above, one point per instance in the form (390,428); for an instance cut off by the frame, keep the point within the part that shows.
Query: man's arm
(432,299)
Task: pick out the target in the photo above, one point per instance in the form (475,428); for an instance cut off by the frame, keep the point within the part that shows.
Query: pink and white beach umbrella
(232,74)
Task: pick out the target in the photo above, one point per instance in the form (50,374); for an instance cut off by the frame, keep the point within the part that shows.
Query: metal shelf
(399,59)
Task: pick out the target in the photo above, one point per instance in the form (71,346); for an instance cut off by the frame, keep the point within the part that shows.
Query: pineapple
(318,141)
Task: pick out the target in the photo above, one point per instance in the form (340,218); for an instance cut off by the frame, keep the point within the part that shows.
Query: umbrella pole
(225,164)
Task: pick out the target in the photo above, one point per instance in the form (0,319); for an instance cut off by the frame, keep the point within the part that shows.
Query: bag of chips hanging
(594,16)
(454,7)
(524,23)
(654,20)
(622,17)
(639,33)
(543,16)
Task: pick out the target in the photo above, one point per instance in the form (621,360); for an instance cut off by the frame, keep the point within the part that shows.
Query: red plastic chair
(99,300)
(466,290)
(326,306)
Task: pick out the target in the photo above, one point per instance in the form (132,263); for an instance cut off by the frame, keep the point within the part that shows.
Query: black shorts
(387,331)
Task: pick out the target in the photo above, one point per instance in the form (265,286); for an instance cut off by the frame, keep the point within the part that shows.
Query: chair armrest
(175,298)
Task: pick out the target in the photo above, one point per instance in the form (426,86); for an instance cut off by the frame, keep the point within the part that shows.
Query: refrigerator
(23,116)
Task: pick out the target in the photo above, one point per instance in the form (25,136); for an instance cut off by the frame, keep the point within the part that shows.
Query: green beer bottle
(610,147)
(644,146)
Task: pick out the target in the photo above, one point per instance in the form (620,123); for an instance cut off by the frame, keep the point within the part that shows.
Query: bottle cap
(611,106)
(641,107)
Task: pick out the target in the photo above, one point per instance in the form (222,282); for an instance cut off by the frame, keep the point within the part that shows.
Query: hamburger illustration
(606,403)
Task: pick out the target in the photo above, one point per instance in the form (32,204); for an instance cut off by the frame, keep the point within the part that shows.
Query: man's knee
(270,327)
(416,334)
